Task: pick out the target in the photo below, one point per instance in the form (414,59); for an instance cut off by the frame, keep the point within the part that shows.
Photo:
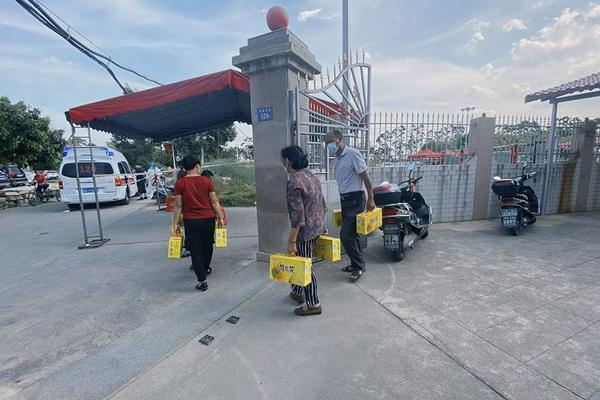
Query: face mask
(332,147)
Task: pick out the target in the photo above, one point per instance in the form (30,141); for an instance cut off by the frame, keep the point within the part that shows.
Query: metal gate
(343,103)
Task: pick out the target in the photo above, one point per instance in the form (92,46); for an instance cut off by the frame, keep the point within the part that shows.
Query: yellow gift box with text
(336,216)
(221,237)
(294,270)
(328,248)
(367,222)
(175,245)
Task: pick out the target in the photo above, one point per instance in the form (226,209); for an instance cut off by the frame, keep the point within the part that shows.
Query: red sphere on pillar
(277,18)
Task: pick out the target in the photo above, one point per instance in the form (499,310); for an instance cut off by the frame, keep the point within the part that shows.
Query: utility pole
(345,55)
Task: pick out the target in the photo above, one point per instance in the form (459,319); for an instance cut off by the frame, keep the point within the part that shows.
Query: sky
(427,56)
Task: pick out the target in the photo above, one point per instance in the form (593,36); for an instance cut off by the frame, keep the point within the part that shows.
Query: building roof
(586,83)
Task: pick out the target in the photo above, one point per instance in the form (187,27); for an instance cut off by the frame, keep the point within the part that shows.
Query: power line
(38,12)
(72,28)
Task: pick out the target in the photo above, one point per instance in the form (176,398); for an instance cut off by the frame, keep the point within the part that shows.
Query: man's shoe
(185,253)
(305,310)
(355,275)
(298,297)
(348,268)
(202,286)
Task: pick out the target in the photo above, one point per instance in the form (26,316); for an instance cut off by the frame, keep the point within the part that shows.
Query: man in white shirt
(351,174)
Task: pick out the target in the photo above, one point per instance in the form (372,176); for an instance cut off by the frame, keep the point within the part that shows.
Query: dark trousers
(200,235)
(305,249)
(352,205)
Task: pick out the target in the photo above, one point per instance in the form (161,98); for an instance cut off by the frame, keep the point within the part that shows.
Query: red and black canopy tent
(174,110)
(162,113)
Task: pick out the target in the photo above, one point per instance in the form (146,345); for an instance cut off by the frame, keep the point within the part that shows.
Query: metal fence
(597,142)
(518,138)
(433,139)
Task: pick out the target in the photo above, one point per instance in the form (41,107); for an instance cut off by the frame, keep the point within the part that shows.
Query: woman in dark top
(306,206)
(196,195)
(140,177)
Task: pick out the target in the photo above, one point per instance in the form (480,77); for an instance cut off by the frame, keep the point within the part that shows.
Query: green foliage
(234,183)
(140,151)
(27,138)
(212,142)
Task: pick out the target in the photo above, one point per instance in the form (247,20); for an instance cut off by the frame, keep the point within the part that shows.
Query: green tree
(212,142)
(140,151)
(27,137)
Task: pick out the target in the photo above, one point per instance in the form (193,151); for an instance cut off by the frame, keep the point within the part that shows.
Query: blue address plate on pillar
(264,114)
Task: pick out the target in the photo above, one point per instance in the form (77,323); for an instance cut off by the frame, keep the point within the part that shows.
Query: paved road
(469,314)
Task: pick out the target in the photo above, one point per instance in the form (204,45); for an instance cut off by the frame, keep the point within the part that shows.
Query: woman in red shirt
(196,196)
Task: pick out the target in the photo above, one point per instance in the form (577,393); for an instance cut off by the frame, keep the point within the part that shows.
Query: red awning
(177,109)
(424,153)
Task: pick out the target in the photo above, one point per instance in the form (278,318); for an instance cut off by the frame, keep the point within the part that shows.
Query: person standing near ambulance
(352,177)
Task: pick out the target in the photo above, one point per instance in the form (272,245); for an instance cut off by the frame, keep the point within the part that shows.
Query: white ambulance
(115,180)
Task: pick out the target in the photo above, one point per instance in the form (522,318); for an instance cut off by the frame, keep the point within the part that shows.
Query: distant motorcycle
(406,215)
(517,203)
(36,197)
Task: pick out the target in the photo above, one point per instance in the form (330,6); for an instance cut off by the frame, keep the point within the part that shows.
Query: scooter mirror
(411,166)
(496,178)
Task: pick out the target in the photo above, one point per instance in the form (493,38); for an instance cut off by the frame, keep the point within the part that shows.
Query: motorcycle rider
(41,182)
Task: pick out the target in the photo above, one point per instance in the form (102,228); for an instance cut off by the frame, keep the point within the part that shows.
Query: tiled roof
(589,82)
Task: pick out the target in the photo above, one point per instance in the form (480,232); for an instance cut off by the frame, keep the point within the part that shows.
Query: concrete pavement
(470,313)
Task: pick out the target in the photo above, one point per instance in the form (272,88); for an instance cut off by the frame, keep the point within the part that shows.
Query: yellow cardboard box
(328,248)
(294,270)
(175,245)
(336,216)
(367,222)
(221,237)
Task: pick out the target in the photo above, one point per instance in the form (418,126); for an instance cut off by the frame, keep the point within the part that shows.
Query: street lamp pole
(345,51)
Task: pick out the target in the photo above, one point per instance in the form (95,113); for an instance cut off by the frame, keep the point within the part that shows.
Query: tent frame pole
(78,179)
(90,148)
(90,241)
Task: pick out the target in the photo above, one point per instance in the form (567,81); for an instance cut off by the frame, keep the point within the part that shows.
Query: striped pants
(305,249)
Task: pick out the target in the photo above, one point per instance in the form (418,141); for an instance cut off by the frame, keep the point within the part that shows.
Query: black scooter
(518,205)
(406,215)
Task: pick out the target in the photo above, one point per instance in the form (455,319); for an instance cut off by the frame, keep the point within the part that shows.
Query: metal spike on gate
(328,79)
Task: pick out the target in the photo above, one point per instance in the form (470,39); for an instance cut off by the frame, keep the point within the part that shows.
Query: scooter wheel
(397,255)
(516,231)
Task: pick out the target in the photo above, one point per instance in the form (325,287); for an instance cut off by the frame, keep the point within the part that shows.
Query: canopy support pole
(83,222)
(89,137)
(89,241)
(550,158)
